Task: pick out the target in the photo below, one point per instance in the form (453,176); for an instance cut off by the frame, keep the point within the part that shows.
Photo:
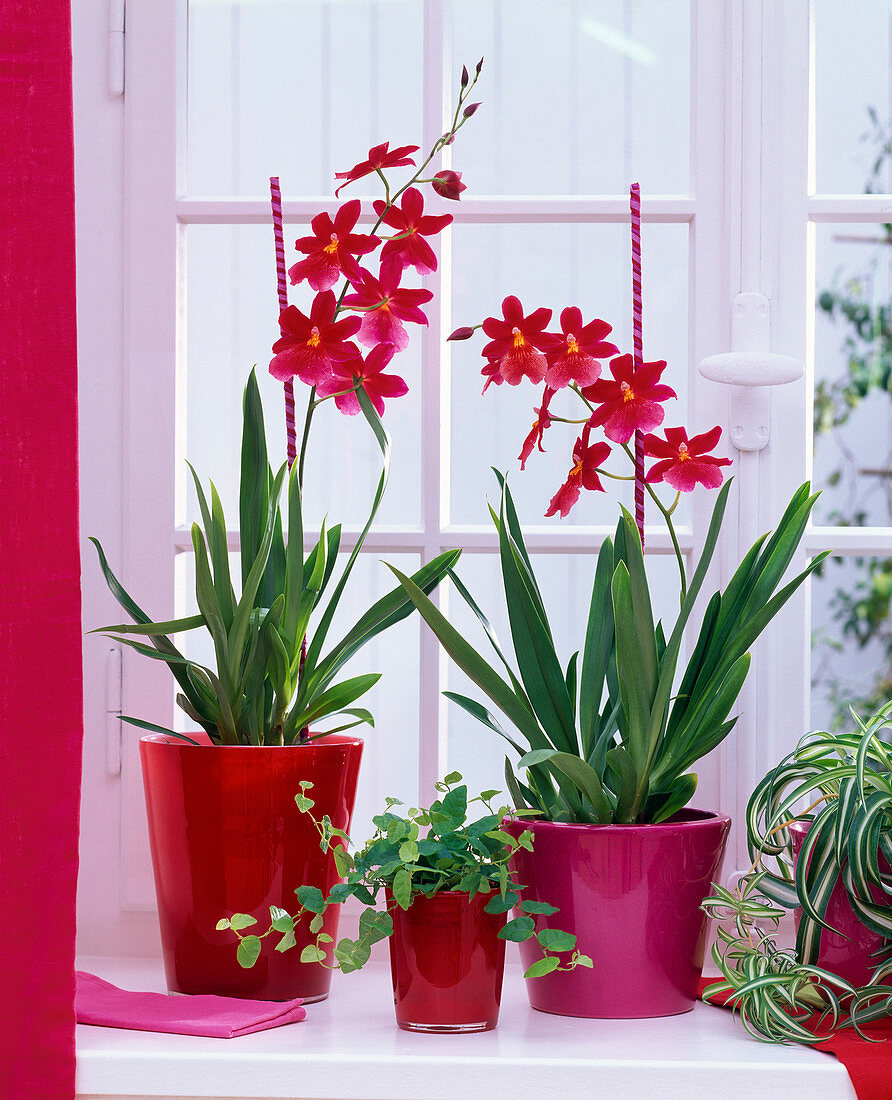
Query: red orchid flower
(412,226)
(308,345)
(631,402)
(448,184)
(375,382)
(387,305)
(542,421)
(575,357)
(379,157)
(518,342)
(332,249)
(584,475)
(685,461)
(492,374)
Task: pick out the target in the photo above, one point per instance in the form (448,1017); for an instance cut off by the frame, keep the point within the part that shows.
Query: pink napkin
(101,1003)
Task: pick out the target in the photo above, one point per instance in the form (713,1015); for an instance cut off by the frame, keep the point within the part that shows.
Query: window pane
(851,640)
(851,62)
(298,89)
(853,375)
(555,265)
(581,97)
(390,757)
(231,325)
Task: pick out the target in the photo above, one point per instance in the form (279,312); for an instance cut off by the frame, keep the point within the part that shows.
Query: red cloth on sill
(869,1065)
(105,1005)
(41,704)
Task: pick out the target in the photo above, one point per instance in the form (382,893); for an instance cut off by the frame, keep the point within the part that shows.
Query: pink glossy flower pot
(848,955)
(447,962)
(226,836)
(632,895)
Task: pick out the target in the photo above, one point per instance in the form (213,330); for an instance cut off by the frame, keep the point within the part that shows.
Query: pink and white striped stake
(637,346)
(275,195)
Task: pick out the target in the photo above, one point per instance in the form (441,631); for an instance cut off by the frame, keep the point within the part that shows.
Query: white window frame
(744,216)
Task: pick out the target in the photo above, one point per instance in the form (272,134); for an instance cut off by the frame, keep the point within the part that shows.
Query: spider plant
(844,783)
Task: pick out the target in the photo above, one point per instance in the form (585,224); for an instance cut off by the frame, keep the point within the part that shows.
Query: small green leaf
(223,924)
(241,920)
(304,804)
(539,907)
(324,937)
(286,942)
(312,954)
(518,930)
(542,966)
(500,904)
(453,777)
(316,923)
(311,898)
(248,951)
(402,888)
(553,939)
(284,922)
(583,960)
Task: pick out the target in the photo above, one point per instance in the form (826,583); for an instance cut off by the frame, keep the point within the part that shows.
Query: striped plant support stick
(638,346)
(281,278)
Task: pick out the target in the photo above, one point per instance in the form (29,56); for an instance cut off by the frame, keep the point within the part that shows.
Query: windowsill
(350,1048)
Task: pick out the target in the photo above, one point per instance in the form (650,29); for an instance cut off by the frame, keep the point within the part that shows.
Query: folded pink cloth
(101,1003)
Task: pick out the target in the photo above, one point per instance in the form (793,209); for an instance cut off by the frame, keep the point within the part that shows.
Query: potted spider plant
(819,829)
(222,822)
(607,739)
(442,899)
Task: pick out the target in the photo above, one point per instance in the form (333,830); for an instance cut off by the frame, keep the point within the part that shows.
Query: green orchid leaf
(152,728)
(254,480)
(473,665)
(636,686)
(623,767)
(539,668)
(597,648)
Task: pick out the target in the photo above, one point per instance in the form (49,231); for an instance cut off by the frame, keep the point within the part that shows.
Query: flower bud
(448,184)
(479,66)
(461,334)
(464,76)
(470,109)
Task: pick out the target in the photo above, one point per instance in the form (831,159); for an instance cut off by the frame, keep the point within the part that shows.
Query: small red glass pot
(447,962)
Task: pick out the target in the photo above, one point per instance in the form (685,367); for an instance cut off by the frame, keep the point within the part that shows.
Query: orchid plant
(273,680)
(612,739)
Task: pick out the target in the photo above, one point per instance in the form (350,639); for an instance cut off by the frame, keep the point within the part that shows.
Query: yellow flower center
(683,455)
(572,346)
(333,247)
(518,337)
(628,392)
(577,469)
(314,340)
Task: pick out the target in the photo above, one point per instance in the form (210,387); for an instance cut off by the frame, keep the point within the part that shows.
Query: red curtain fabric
(41,708)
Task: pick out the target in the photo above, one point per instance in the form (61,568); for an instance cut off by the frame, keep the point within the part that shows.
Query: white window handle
(750,367)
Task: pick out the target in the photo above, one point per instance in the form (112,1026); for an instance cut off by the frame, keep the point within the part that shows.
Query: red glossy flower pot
(226,836)
(447,962)
(632,895)
(848,955)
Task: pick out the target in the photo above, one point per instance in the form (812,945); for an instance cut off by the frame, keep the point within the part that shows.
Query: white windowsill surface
(349,1048)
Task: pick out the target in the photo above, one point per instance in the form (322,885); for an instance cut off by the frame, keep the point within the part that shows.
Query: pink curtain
(41,723)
